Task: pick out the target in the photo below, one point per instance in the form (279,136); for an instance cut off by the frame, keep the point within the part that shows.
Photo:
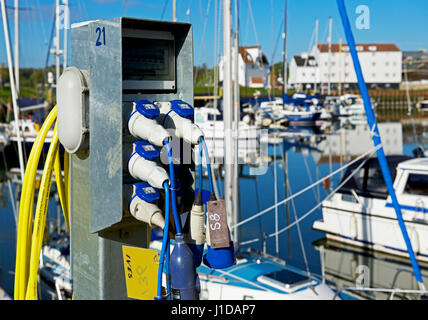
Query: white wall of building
(379,67)
(249,71)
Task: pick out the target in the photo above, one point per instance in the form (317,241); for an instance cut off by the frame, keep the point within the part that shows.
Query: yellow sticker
(141,272)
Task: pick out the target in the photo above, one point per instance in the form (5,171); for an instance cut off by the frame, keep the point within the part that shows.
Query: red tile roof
(368,47)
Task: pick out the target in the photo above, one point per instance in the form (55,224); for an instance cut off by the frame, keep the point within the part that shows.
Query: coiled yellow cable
(26,209)
(28,252)
(40,217)
(67,182)
(61,189)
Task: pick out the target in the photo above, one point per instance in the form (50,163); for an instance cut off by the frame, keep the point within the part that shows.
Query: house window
(373,64)
(387,75)
(374,75)
(417,184)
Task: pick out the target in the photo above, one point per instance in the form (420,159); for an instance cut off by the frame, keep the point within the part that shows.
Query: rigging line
(41,19)
(308,187)
(299,232)
(326,198)
(204,27)
(259,65)
(309,46)
(125,6)
(250,10)
(310,177)
(319,204)
(164,9)
(278,37)
(276,198)
(247,28)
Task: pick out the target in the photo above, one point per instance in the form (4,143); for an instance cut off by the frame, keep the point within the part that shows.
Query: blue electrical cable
(172,185)
(207,157)
(165,243)
(200,167)
(168,279)
(376,138)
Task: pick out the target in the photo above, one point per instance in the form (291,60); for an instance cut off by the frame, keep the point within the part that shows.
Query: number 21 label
(101,36)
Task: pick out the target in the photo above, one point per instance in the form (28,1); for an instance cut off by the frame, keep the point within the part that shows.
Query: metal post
(340,67)
(174,10)
(330,29)
(13,87)
(284,89)
(57,41)
(17,46)
(228,112)
(66,26)
(237,116)
(316,45)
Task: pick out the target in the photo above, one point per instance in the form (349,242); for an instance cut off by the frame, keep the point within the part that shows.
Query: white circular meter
(72,105)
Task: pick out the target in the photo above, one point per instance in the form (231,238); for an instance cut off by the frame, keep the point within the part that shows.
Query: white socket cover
(72,109)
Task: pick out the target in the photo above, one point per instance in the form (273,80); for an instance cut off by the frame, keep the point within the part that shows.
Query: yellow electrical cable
(40,218)
(61,189)
(67,182)
(25,209)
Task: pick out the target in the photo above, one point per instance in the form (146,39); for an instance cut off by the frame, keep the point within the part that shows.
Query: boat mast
(12,86)
(316,45)
(17,46)
(237,116)
(174,10)
(284,89)
(330,29)
(228,113)
(66,26)
(57,41)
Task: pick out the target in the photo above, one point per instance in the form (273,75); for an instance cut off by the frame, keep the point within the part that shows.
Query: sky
(261,23)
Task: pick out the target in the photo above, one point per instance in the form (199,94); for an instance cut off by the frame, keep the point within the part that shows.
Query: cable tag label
(217,224)
(141,267)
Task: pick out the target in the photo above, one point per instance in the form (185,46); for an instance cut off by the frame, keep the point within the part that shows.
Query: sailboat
(256,275)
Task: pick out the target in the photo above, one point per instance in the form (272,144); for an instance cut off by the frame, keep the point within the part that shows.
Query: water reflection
(294,158)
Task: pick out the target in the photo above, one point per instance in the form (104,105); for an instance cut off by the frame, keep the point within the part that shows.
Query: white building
(381,65)
(253,66)
(303,71)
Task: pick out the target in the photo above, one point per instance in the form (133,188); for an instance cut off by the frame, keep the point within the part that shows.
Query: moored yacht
(361,212)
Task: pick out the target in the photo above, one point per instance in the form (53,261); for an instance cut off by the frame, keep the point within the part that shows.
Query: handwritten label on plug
(217,223)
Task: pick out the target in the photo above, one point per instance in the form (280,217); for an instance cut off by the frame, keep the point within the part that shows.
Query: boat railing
(365,155)
(392,291)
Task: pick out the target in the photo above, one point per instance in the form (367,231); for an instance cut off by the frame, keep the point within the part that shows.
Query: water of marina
(307,156)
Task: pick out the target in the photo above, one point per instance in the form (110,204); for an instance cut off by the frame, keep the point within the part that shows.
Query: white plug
(197,223)
(146,212)
(142,123)
(147,170)
(184,128)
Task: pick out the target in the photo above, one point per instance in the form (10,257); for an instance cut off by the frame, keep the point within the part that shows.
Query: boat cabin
(410,176)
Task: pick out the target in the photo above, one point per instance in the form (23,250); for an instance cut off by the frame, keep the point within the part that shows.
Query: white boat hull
(376,227)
